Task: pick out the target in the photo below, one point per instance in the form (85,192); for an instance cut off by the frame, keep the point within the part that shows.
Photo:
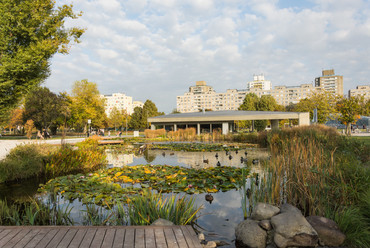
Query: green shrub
(24,161)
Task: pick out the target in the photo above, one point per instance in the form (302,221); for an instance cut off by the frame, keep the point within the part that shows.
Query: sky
(157,49)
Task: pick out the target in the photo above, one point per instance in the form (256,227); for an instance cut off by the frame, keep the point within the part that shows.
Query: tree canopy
(31,32)
(44,107)
(350,110)
(87,104)
(140,116)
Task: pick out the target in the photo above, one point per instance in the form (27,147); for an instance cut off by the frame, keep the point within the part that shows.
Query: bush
(24,161)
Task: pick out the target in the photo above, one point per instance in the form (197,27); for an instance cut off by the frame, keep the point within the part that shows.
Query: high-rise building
(330,82)
(361,90)
(259,82)
(118,100)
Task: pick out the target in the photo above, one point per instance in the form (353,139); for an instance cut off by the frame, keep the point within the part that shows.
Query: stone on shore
(328,231)
(249,234)
(264,211)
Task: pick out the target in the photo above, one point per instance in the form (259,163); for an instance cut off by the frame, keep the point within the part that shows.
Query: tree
(44,108)
(250,102)
(325,104)
(31,32)
(16,119)
(87,104)
(118,118)
(136,122)
(149,110)
(349,109)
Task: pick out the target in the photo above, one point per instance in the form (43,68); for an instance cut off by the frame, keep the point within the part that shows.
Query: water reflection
(196,160)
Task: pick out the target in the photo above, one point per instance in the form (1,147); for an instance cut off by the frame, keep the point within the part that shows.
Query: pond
(217,220)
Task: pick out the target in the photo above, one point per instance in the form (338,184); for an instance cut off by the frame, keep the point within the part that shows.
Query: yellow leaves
(212,190)
(126,179)
(171,176)
(232,180)
(147,171)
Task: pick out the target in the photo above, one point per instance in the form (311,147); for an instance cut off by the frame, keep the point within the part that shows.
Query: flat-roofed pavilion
(224,120)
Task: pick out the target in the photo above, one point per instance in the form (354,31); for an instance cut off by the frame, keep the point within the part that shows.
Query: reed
(150,134)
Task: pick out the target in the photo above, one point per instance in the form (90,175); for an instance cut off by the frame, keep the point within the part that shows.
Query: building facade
(259,82)
(119,101)
(330,82)
(361,90)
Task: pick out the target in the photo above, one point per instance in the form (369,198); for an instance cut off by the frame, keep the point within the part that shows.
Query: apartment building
(361,90)
(330,82)
(118,100)
(259,82)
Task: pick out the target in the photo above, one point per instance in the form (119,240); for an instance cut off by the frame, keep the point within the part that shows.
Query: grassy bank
(35,160)
(322,173)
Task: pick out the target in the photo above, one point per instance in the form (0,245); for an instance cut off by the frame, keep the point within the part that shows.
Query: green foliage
(148,207)
(87,104)
(250,102)
(23,162)
(30,34)
(350,110)
(43,107)
(195,147)
(140,116)
(106,187)
(34,213)
(324,102)
(118,118)
(66,160)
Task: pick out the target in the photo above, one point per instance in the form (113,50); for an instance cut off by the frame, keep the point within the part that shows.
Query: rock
(328,231)
(201,236)
(289,208)
(210,244)
(249,234)
(264,211)
(265,224)
(220,242)
(162,222)
(292,229)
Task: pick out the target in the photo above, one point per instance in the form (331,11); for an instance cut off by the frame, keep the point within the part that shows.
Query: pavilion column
(225,128)
(274,124)
(152,127)
(175,127)
(210,128)
(304,119)
(198,129)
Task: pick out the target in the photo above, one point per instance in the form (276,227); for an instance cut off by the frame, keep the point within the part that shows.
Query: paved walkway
(104,237)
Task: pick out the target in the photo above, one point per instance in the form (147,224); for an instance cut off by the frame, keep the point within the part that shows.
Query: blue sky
(156,49)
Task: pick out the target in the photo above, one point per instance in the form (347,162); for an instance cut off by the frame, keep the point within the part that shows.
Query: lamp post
(89,127)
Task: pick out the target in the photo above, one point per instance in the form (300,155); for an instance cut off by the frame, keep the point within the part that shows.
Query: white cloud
(167,45)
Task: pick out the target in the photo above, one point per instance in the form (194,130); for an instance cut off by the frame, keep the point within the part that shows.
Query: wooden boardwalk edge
(98,236)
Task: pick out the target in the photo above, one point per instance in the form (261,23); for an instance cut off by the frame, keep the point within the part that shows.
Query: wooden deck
(105,237)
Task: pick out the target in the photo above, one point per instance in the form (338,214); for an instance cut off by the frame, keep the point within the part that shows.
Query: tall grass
(321,173)
(34,212)
(148,207)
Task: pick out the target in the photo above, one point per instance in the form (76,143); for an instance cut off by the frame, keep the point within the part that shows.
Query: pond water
(217,220)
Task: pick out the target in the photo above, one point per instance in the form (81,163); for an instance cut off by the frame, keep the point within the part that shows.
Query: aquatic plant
(148,207)
(117,184)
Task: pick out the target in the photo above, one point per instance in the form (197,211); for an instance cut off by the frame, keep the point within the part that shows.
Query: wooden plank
(109,238)
(98,238)
(64,243)
(180,237)
(4,233)
(57,238)
(170,238)
(159,238)
(139,238)
(44,241)
(129,238)
(189,238)
(149,238)
(39,236)
(17,238)
(88,238)
(9,236)
(119,238)
(26,239)
(76,241)
(194,237)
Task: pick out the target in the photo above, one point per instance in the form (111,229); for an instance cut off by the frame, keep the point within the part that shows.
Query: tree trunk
(348,129)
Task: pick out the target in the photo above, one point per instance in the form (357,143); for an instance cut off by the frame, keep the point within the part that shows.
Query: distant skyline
(157,49)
